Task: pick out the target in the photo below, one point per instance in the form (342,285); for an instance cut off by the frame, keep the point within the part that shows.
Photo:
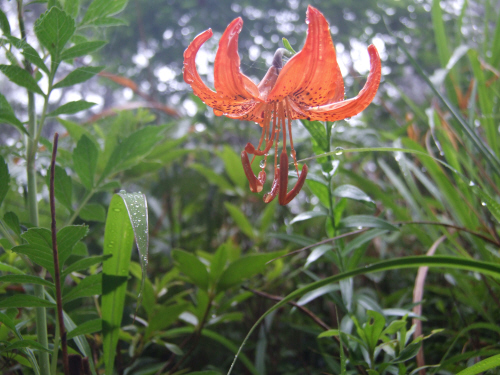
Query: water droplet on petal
(262,163)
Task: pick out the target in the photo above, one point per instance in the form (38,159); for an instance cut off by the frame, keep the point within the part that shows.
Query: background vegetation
(392,262)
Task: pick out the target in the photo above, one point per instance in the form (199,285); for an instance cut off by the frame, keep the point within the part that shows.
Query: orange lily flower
(309,86)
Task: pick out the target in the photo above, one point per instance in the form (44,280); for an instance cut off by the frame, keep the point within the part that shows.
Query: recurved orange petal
(351,107)
(226,105)
(312,76)
(229,81)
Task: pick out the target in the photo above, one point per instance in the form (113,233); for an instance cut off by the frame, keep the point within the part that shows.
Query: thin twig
(463,229)
(301,308)
(321,243)
(57,276)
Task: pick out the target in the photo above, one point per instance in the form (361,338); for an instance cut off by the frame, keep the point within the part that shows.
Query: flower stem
(57,276)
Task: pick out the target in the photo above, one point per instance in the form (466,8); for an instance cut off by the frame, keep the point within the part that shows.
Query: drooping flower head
(309,86)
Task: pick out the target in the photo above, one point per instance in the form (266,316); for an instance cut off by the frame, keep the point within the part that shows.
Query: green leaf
(109,21)
(243,268)
(318,132)
(373,328)
(308,215)
(4,179)
(329,333)
(352,192)
(67,238)
(8,268)
(12,221)
(72,7)
(218,263)
(88,287)
(86,328)
(213,177)
(39,254)
(38,236)
(25,300)
(8,116)
(319,189)
(85,157)
(63,186)
(26,279)
(118,242)
(408,352)
(84,264)
(240,219)
(53,29)
(163,317)
(133,149)
(365,221)
(102,8)
(76,130)
(29,53)
(78,75)
(234,169)
(4,23)
(23,344)
(71,107)
(192,267)
(288,46)
(482,366)
(21,77)
(137,208)
(93,212)
(82,49)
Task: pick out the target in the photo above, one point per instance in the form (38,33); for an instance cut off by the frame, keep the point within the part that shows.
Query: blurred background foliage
(203,220)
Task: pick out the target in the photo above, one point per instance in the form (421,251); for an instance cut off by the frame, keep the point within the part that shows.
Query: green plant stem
(41,317)
(57,276)
(80,206)
(330,195)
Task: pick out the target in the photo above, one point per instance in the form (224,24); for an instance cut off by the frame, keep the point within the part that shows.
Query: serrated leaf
(26,279)
(4,179)
(102,8)
(243,268)
(25,300)
(82,49)
(93,212)
(8,116)
(4,23)
(365,221)
(352,192)
(72,7)
(67,238)
(88,287)
(86,328)
(41,255)
(85,157)
(240,219)
(192,267)
(29,53)
(85,263)
(38,236)
(71,107)
(21,77)
(78,75)
(53,29)
(63,187)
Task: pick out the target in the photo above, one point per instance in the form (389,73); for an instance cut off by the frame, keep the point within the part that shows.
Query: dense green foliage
(387,262)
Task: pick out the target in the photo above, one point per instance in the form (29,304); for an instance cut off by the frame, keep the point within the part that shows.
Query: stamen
(292,152)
